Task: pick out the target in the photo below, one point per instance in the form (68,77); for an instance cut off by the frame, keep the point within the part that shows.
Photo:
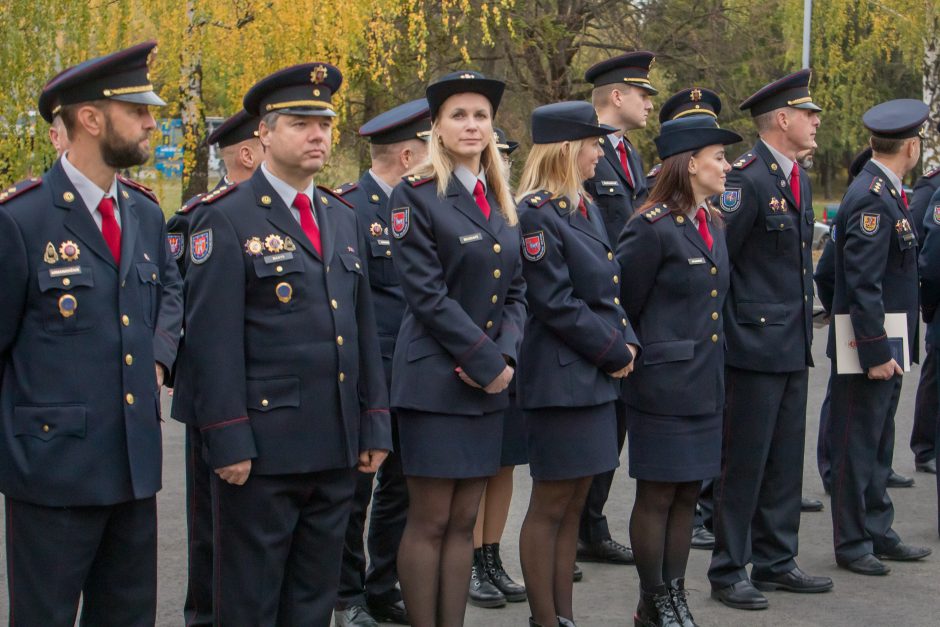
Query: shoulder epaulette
(329,191)
(191,204)
(19,188)
(217,193)
(345,188)
(932,173)
(745,161)
(143,189)
(877,184)
(654,171)
(538,198)
(415,180)
(656,213)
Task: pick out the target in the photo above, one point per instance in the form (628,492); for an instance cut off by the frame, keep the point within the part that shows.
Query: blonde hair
(554,168)
(440,164)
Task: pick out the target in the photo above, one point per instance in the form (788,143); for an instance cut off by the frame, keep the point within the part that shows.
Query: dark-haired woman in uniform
(678,277)
(456,248)
(577,347)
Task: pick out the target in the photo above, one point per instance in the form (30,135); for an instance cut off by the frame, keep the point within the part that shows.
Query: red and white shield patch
(533,245)
(401,221)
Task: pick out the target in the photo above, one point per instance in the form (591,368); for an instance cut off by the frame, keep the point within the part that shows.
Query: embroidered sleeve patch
(936,214)
(731,199)
(401,221)
(533,245)
(200,246)
(175,240)
(870,223)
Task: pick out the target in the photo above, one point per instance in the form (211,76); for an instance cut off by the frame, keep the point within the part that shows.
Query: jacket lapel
(465,204)
(580,223)
(777,172)
(614,159)
(129,228)
(278,213)
(78,220)
(325,222)
(373,191)
(692,234)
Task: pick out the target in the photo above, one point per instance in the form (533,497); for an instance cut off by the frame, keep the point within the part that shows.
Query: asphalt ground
(909,596)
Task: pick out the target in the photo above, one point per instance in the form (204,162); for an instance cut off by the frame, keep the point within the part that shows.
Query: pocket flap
(663,352)
(380,247)
(567,355)
(278,265)
(761,313)
(608,188)
(268,394)
(424,347)
(352,262)
(46,423)
(65,278)
(148,273)
(779,222)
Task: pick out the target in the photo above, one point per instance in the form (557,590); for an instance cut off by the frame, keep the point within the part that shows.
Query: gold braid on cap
(121,91)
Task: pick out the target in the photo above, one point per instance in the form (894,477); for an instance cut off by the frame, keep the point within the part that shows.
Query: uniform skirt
(674,448)
(449,446)
(571,442)
(515,452)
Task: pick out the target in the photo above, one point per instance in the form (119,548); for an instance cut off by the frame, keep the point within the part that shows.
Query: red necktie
(307,223)
(582,207)
(622,150)
(479,195)
(109,228)
(904,198)
(795,184)
(703,227)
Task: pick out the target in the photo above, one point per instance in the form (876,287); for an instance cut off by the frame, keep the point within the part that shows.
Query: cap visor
(308,111)
(809,106)
(144,98)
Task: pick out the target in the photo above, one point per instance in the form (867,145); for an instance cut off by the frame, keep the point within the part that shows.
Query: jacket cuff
(375,430)
(873,352)
(229,442)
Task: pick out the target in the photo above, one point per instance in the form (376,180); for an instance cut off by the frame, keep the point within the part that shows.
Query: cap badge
(467,75)
(696,95)
(318,75)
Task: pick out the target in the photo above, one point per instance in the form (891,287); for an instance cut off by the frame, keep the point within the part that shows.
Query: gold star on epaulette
(535,200)
(338,190)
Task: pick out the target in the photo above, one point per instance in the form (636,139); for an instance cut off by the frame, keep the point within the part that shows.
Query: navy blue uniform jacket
(462,279)
(769,310)
(875,265)
(79,407)
(617,199)
(371,205)
(920,200)
(281,342)
(576,331)
(673,293)
(929,265)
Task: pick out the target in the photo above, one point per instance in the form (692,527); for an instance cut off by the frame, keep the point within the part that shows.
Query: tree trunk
(192,109)
(931,66)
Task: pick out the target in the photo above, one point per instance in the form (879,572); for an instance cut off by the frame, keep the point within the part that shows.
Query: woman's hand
(626,370)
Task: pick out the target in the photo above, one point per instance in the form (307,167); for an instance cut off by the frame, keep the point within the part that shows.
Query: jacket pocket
(65,291)
(761,314)
(150,284)
(609,188)
(424,346)
(267,394)
(665,352)
(278,264)
(46,423)
(351,262)
(567,355)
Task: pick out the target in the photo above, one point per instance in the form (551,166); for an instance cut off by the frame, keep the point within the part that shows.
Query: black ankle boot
(513,591)
(655,609)
(482,592)
(680,603)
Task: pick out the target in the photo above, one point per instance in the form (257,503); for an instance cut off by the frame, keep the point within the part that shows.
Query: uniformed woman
(678,277)
(456,249)
(577,347)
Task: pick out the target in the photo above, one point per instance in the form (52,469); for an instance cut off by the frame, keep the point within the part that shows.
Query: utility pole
(807,30)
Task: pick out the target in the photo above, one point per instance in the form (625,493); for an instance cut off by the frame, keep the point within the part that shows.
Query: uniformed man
(926,413)
(237,139)
(875,274)
(398,142)
(281,339)
(622,97)
(769,218)
(88,331)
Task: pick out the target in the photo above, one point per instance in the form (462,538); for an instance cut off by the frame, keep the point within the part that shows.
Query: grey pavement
(910,595)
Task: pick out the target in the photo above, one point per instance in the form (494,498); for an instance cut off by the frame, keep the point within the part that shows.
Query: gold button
(339,340)
(804,244)
(616,279)
(264,402)
(334,304)
(66,282)
(623,321)
(714,270)
(763,320)
(494,299)
(357,265)
(154,276)
(129,359)
(497,273)
(388,253)
(125,320)
(714,315)
(130,399)
(342,377)
(610,256)
(804,271)
(497,248)
(616,300)
(715,338)
(280,268)
(489,324)
(45,428)
(714,293)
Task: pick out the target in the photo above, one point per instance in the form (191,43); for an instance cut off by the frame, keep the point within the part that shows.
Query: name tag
(383,242)
(696,261)
(609,183)
(475,237)
(67,271)
(278,257)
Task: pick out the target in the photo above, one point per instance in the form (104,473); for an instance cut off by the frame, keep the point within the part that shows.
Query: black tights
(436,550)
(548,544)
(661,530)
